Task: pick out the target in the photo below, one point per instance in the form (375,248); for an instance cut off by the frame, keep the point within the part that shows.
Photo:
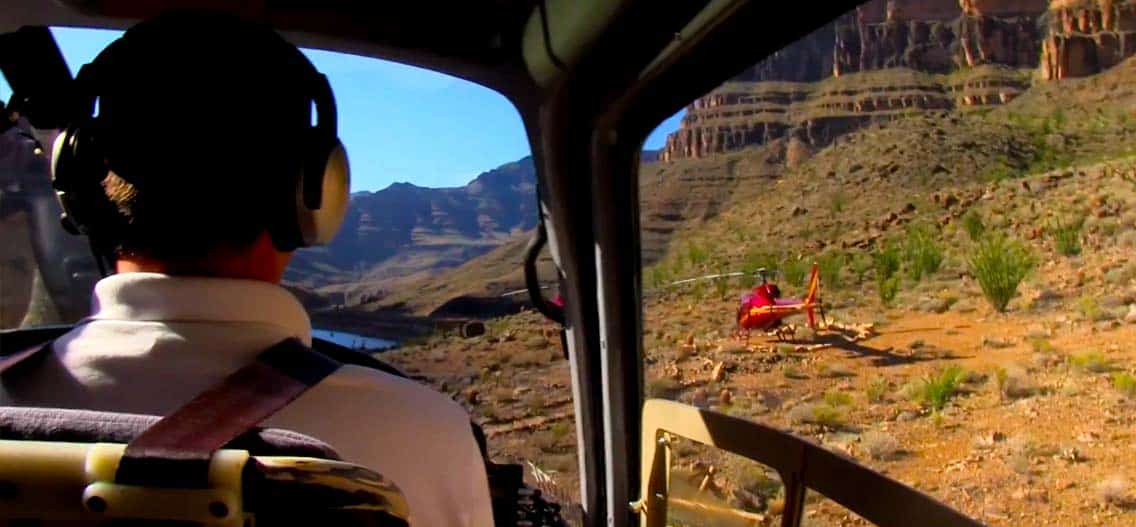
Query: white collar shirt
(154,342)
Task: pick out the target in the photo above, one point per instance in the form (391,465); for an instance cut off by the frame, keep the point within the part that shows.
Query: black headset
(309,216)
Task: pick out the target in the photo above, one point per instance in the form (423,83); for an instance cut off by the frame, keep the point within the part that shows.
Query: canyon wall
(1087,36)
(889,58)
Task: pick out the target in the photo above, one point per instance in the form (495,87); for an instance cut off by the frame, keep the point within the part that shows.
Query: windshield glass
(960,181)
(451,154)
(423,272)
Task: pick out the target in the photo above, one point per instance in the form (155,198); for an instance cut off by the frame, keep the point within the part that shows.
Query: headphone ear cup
(322,195)
(77,173)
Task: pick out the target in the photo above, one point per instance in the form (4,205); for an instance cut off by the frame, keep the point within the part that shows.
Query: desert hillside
(882,62)
(1014,406)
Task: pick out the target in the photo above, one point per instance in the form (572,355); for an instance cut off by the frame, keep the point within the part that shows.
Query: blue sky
(399,123)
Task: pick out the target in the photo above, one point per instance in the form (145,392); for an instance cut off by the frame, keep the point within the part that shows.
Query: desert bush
(1091,361)
(936,390)
(1090,309)
(880,445)
(1021,449)
(1113,491)
(1125,383)
(546,442)
(831,371)
(921,253)
(972,224)
(657,276)
(759,481)
(794,270)
(533,357)
(816,414)
(828,416)
(837,398)
(696,254)
(888,289)
(885,261)
(536,342)
(698,289)
(1000,265)
(560,462)
(828,267)
(999,173)
(757,259)
(859,265)
(838,200)
(792,372)
(1040,345)
(722,284)
(1014,382)
(560,429)
(876,390)
(1066,236)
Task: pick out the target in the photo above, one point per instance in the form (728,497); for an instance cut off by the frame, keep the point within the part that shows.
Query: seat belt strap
(175,451)
(10,362)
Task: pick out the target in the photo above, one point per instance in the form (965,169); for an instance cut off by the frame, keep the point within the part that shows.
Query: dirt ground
(1056,451)
(1051,443)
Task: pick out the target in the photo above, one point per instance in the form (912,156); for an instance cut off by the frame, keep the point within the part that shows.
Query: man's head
(204,145)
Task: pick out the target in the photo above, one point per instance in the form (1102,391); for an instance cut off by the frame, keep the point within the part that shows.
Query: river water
(354,341)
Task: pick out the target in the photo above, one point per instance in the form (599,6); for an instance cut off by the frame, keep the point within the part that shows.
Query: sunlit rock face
(889,58)
(1085,37)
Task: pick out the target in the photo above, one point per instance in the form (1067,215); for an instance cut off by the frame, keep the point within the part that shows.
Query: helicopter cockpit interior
(847,97)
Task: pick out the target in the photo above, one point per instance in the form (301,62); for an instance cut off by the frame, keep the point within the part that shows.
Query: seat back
(56,468)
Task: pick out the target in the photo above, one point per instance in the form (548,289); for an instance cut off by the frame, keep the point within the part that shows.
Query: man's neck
(259,261)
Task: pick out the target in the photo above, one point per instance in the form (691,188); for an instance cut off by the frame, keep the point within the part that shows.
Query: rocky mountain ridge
(405,229)
(889,58)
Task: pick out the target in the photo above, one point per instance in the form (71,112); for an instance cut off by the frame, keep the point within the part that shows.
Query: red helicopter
(763,309)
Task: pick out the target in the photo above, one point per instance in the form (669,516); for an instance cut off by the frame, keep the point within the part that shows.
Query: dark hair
(198,118)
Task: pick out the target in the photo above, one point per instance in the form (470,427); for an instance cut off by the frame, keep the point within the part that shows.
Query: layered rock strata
(891,58)
(1085,37)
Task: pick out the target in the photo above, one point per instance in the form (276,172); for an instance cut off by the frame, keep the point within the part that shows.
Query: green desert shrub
(860,264)
(921,253)
(837,398)
(657,276)
(697,254)
(1091,361)
(838,200)
(1067,236)
(999,173)
(973,225)
(758,259)
(1125,383)
(794,270)
(885,261)
(722,284)
(888,288)
(828,267)
(936,389)
(886,264)
(1000,264)
(876,390)
(817,414)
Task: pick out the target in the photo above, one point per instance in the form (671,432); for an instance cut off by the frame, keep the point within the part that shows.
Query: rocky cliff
(1087,36)
(889,58)
(405,229)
